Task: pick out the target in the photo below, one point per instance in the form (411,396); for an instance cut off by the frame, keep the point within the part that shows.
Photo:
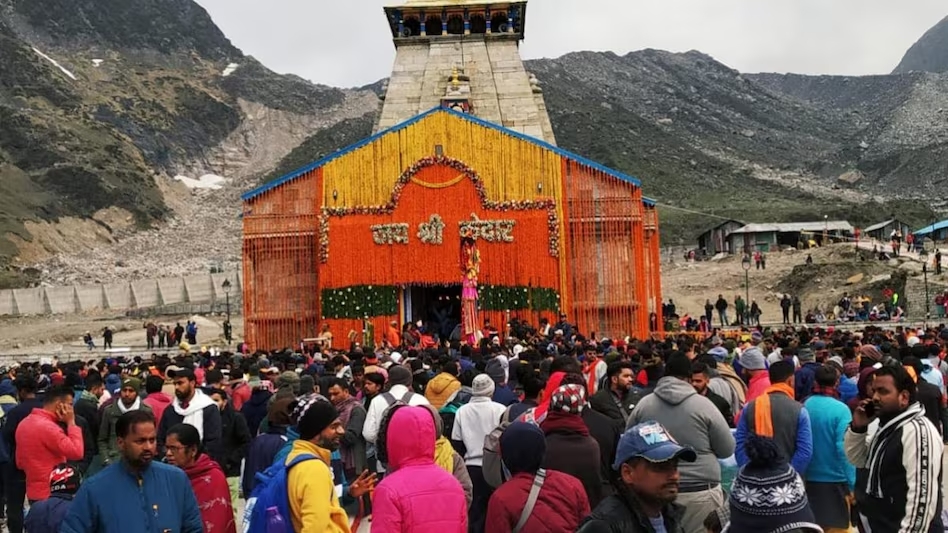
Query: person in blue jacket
(46,515)
(135,494)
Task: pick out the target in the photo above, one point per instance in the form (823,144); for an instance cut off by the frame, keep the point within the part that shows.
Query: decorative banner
(390,233)
(432,232)
(488,230)
(359,301)
(407,177)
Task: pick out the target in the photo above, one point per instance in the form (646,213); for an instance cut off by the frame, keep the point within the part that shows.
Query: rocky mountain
(108,101)
(928,54)
(103,103)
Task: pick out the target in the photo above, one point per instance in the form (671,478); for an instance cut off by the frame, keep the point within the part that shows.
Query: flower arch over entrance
(410,175)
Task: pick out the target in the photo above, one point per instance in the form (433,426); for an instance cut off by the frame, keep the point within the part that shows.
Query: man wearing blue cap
(647,462)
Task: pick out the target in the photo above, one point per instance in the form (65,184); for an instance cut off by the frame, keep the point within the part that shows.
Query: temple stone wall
(500,89)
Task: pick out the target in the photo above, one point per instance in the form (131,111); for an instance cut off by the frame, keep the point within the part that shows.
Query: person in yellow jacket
(312,491)
(441,388)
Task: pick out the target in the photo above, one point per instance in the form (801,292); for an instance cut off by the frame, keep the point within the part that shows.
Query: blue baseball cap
(651,441)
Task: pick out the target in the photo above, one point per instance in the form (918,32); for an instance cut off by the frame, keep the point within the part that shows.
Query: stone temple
(460,208)
(466,55)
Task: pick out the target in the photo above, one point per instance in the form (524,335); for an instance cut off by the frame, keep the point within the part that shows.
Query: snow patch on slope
(56,64)
(231,67)
(207,181)
(97,62)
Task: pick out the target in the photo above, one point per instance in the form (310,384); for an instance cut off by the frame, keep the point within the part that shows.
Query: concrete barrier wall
(172,290)
(122,296)
(61,299)
(90,297)
(30,301)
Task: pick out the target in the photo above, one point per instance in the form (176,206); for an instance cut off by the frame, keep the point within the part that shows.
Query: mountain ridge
(150,89)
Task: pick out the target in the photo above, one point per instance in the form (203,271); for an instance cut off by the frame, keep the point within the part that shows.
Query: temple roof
(249,195)
(449,3)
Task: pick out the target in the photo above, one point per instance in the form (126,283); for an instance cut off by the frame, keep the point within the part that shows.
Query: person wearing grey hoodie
(693,421)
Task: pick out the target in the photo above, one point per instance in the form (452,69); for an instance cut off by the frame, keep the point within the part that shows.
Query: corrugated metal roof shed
(934,227)
(880,225)
(796,227)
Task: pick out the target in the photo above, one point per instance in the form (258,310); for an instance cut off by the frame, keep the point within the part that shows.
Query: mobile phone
(870,409)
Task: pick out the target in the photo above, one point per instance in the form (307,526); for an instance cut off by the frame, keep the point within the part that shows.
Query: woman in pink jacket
(417,496)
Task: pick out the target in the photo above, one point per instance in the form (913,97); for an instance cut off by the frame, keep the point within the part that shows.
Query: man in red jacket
(41,443)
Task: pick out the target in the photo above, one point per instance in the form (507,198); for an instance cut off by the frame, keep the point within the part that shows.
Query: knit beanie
(278,413)
(568,399)
(851,368)
(870,352)
(483,386)
(768,496)
(495,369)
(64,479)
(522,447)
(132,383)
(753,359)
(399,375)
(315,417)
(805,354)
(307,384)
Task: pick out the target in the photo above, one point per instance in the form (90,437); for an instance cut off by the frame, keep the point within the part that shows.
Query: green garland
(501,298)
(360,301)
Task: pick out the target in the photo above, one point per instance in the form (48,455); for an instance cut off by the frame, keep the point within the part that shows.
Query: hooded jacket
(570,449)
(441,388)
(159,500)
(255,409)
(158,401)
(693,421)
(213,495)
(260,455)
(45,516)
(561,503)
(417,496)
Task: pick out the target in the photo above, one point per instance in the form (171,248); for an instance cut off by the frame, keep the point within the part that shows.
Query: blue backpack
(271,493)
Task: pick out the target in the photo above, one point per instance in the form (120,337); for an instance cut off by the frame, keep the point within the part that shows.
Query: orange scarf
(763,418)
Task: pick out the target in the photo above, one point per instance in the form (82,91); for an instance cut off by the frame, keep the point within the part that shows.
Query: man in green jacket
(129,400)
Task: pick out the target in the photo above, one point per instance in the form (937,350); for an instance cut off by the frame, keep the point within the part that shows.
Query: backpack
(5,456)
(492,466)
(268,508)
(381,453)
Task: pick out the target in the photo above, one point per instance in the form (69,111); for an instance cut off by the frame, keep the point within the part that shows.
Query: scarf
(551,385)
(560,422)
(763,417)
(444,454)
(135,406)
(193,411)
(345,412)
(913,414)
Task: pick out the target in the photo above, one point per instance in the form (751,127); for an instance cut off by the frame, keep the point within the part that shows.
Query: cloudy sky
(347,42)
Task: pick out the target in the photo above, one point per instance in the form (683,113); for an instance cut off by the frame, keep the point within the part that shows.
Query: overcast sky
(347,42)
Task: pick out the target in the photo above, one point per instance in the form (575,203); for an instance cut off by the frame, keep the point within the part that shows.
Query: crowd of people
(821,430)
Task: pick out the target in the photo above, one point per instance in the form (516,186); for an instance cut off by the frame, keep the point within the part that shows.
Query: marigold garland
(466,171)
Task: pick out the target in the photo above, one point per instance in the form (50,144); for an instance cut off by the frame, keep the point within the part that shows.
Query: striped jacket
(898,479)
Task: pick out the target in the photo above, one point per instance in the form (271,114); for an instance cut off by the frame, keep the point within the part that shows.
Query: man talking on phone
(41,443)
(902,491)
